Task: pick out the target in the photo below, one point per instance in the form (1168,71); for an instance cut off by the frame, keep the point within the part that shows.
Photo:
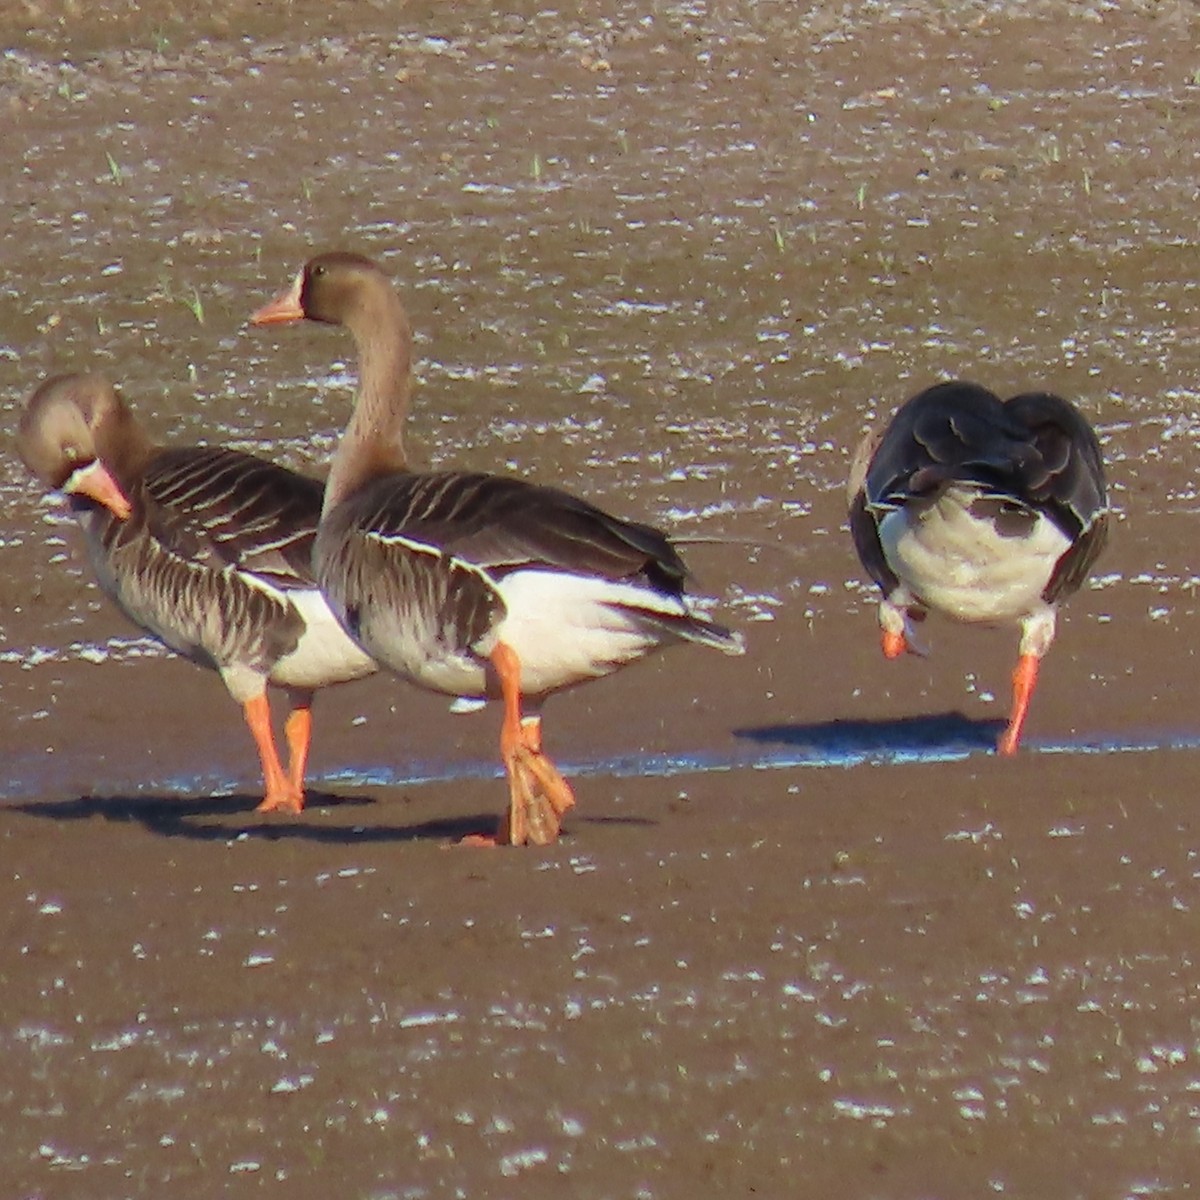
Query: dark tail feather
(688,627)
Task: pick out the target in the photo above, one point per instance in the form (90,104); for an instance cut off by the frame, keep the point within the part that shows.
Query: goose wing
(950,433)
(221,508)
(498,524)
(216,540)
(414,565)
(1070,486)
(1034,449)
(864,531)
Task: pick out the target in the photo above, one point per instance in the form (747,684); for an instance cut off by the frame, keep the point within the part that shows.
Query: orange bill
(285,307)
(96,482)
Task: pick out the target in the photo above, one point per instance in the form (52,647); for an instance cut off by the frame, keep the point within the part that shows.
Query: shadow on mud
(230,818)
(910,739)
(199,818)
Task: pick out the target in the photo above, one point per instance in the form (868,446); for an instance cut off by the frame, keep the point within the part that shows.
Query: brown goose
(206,548)
(476,585)
(989,511)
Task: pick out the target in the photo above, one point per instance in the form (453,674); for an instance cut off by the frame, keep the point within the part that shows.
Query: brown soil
(674,257)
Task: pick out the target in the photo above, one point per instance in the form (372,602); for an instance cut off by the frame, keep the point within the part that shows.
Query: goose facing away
(206,548)
(476,585)
(986,510)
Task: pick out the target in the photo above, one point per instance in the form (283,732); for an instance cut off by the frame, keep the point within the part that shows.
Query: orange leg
(279,792)
(893,644)
(538,794)
(531,733)
(1024,681)
(297,730)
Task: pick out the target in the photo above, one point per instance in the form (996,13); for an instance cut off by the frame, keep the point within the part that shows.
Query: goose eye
(318,271)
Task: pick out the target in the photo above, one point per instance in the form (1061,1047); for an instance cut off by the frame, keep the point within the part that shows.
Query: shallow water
(674,257)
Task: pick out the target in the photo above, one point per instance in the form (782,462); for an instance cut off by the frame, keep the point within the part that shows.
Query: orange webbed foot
(481,841)
(539,798)
(285,800)
(538,794)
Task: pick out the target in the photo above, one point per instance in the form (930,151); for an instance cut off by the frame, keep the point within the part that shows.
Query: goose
(988,511)
(206,548)
(476,585)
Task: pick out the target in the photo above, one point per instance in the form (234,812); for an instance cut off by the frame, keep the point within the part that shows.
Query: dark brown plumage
(984,509)
(207,548)
(471,584)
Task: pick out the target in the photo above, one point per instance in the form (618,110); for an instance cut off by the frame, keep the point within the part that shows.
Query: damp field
(805,934)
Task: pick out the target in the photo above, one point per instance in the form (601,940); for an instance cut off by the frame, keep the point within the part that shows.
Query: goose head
(337,288)
(70,435)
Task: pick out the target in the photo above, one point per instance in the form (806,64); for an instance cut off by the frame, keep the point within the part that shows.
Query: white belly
(955,561)
(325,654)
(565,629)
(569,628)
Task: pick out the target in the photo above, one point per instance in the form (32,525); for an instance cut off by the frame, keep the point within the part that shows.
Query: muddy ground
(805,935)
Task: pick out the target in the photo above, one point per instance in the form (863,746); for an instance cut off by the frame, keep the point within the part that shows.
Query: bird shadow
(929,736)
(215,818)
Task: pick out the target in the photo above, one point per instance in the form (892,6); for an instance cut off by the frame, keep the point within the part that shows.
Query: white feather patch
(960,564)
(568,628)
(325,653)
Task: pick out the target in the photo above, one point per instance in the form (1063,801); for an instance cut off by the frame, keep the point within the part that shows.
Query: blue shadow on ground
(942,737)
(939,737)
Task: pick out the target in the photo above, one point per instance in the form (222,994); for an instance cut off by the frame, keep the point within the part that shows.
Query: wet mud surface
(803,926)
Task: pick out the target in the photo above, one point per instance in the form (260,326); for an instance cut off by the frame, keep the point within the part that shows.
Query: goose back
(1033,453)
(215,560)
(424,569)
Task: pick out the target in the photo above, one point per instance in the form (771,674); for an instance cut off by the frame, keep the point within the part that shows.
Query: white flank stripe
(567,628)
(407,543)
